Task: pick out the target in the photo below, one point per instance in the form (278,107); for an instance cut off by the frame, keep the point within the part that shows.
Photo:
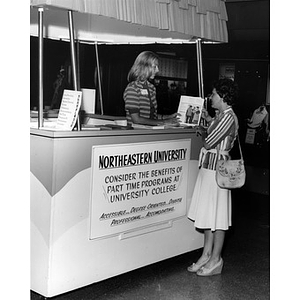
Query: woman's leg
(208,246)
(207,250)
(208,242)
(218,242)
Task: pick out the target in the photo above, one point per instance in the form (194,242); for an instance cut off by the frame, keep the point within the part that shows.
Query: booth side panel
(76,260)
(41,167)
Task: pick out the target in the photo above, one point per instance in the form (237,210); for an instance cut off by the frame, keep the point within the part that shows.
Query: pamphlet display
(69,108)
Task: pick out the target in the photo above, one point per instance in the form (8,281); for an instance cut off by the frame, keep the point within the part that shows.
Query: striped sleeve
(131,98)
(221,130)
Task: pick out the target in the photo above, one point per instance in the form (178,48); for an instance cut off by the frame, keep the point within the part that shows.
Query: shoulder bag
(231,174)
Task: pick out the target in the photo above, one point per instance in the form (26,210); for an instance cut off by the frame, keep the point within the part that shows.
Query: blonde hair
(142,66)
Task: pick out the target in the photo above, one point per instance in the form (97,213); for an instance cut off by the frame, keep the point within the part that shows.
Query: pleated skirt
(210,206)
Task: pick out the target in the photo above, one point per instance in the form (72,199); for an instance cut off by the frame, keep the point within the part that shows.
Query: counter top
(107,133)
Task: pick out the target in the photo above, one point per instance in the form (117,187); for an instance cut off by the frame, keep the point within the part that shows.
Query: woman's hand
(172,119)
(175,115)
(201,131)
(205,115)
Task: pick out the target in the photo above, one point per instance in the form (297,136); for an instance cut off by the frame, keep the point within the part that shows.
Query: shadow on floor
(245,276)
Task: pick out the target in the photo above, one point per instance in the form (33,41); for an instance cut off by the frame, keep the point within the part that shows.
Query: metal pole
(199,66)
(41,56)
(78,65)
(73,57)
(99,79)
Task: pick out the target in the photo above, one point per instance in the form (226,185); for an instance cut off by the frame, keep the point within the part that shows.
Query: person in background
(260,122)
(260,116)
(59,85)
(140,93)
(210,207)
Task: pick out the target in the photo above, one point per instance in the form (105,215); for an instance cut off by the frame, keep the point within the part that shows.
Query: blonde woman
(140,93)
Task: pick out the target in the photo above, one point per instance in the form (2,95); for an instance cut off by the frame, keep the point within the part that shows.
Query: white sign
(88,100)
(68,111)
(138,184)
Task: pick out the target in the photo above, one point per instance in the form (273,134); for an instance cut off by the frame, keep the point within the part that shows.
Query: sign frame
(137,185)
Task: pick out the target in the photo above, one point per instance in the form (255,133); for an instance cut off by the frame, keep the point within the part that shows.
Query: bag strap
(240,147)
(218,147)
(241,153)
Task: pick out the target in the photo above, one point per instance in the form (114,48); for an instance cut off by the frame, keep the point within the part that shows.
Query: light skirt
(210,206)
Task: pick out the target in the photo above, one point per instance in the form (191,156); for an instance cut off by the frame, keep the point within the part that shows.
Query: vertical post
(73,57)
(99,79)
(41,56)
(199,67)
(78,64)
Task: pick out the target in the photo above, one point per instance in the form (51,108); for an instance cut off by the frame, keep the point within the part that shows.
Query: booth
(105,202)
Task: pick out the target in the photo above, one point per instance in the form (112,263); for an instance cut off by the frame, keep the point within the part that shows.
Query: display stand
(64,256)
(84,230)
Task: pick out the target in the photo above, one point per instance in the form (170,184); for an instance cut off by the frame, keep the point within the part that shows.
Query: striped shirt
(140,97)
(221,135)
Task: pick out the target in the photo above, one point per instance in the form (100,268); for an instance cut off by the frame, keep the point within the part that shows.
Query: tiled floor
(245,276)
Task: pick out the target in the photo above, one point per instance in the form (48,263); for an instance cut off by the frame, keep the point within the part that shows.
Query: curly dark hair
(226,89)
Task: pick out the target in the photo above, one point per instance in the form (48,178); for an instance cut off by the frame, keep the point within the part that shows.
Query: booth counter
(82,230)
(107,202)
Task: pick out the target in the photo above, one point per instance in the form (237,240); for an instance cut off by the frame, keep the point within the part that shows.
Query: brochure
(69,109)
(190,109)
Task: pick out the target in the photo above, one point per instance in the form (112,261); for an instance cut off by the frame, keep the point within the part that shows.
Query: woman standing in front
(140,93)
(210,207)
